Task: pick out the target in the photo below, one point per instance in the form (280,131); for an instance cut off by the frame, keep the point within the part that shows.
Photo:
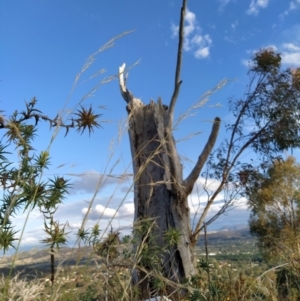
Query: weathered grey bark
(160,192)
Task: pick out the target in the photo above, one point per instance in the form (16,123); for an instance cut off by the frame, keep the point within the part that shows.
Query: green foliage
(24,186)
(108,247)
(83,235)
(273,105)
(149,252)
(216,291)
(56,235)
(296,77)
(172,236)
(288,284)
(203,264)
(274,199)
(126,239)
(242,257)
(89,237)
(266,60)
(266,123)
(7,237)
(90,294)
(197,296)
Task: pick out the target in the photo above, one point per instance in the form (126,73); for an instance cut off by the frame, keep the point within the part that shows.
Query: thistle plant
(24,185)
(57,237)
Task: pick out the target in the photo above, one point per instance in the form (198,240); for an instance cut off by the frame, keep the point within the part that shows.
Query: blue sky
(44,45)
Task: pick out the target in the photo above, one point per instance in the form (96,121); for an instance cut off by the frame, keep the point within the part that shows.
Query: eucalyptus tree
(274,199)
(266,121)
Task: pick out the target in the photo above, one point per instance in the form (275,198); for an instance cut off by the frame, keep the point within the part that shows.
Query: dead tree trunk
(160,192)
(155,196)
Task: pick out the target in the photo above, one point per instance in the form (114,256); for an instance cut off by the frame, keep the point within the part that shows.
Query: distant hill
(37,262)
(227,233)
(229,241)
(234,227)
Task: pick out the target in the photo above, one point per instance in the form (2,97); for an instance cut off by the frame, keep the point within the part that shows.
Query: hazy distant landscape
(36,262)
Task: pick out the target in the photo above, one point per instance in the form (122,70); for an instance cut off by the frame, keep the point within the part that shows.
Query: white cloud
(290,54)
(91,179)
(105,212)
(73,213)
(84,210)
(238,212)
(190,19)
(127,211)
(246,63)
(272,46)
(290,58)
(100,211)
(202,53)
(293,5)
(197,39)
(291,46)
(229,39)
(30,241)
(208,184)
(255,5)
(223,3)
(75,225)
(35,214)
(236,216)
(174,29)
(234,24)
(194,41)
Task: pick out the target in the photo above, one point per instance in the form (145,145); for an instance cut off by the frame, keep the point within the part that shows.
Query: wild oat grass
(20,289)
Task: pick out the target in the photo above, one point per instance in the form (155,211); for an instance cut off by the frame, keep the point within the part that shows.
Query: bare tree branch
(175,167)
(229,166)
(205,211)
(178,65)
(126,94)
(193,176)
